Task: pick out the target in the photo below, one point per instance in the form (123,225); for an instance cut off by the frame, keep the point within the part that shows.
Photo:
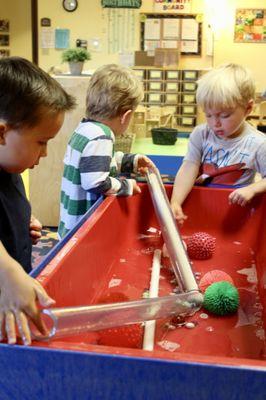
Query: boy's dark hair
(27,93)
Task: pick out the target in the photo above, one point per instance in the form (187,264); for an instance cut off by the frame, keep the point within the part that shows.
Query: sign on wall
(182,6)
(121,3)
(120,29)
(250,25)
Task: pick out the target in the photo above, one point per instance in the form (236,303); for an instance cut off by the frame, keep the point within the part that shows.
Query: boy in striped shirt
(91,166)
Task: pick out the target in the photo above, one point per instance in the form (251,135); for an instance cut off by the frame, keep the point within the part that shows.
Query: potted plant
(75,58)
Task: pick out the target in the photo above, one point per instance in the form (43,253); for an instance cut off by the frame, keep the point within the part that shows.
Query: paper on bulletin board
(150,46)
(47,38)
(126,59)
(189,46)
(152,29)
(171,28)
(62,38)
(190,29)
(170,44)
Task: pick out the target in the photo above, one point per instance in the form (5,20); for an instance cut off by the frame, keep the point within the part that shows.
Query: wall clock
(70,5)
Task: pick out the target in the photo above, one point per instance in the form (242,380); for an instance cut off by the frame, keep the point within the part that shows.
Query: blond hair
(226,86)
(112,91)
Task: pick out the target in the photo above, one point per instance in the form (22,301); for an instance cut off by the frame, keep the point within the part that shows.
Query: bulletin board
(181,31)
(250,25)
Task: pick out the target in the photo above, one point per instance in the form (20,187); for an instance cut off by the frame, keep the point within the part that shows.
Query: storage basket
(165,136)
(124,143)
(261,128)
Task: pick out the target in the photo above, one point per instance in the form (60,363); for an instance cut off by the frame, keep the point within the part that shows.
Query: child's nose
(217,121)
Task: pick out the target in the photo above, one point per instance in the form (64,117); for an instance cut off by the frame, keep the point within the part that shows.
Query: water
(240,335)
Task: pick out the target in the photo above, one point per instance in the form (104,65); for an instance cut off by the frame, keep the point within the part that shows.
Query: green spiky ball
(221,298)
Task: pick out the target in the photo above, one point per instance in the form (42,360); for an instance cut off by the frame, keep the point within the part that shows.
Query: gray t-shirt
(247,150)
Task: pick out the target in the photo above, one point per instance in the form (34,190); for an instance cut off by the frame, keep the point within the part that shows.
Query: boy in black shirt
(32,108)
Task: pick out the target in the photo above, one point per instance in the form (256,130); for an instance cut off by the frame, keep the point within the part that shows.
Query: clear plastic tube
(71,321)
(177,253)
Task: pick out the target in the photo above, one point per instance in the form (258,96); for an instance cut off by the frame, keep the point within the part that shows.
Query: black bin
(164,136)
(261,128)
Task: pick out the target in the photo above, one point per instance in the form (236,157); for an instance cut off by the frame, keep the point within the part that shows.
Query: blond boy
(91,166)
(226,149)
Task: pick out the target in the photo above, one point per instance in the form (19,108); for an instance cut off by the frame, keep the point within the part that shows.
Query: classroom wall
(251,55)
(87,22)
(19,14)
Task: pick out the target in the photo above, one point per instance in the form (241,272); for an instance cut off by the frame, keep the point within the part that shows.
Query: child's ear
(3,130)
(249,106)
(125,117)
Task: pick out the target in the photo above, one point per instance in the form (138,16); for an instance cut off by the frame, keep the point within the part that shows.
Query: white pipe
(149,330)
(177,253)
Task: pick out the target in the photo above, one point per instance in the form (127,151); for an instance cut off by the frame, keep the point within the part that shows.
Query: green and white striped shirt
(90,170)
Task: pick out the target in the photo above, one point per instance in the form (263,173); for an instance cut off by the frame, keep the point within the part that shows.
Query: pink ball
(214,276)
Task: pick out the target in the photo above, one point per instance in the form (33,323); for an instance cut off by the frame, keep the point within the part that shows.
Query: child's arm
(184,181)
(95,165)
(35,229)
(142,163)
(19,293)
(244,195)
(128,163)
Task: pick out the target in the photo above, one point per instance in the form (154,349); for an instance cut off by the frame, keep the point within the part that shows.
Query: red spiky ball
(200,246)
(121,336)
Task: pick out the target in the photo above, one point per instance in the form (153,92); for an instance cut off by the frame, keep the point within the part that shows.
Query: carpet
(46,243)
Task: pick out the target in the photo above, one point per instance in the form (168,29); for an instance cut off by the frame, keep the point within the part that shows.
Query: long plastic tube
(177,253)
(149,329)
(71,321)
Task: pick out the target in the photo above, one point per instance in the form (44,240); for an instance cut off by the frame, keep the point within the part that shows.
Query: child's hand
(136,188)
(19,293)
(35,229)
(178,213)
(241,196)
(144,163)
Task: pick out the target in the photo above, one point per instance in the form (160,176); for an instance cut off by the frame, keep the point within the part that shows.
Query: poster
(152,29)
(62,38)
(4,40)
(250,25)
(47,38)
(119,32)
(4,25)
(190,28)
(171,28)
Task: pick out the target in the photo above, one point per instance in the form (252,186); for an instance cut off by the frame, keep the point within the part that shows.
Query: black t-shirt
(15,213)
